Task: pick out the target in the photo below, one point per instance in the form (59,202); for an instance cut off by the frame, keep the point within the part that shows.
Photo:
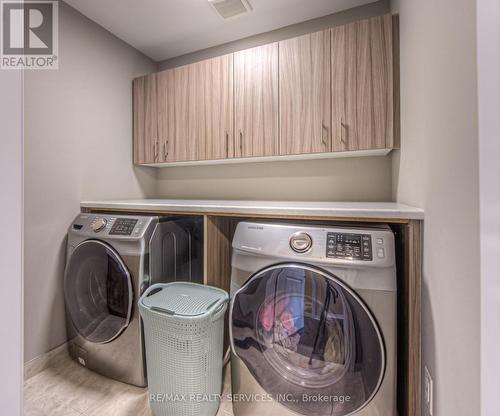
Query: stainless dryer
(111,260)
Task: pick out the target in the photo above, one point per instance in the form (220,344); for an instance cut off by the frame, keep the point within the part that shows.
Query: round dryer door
(308,340)
(98,292)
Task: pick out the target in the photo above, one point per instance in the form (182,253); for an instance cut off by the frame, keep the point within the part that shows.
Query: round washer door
(98,292)
(308,340)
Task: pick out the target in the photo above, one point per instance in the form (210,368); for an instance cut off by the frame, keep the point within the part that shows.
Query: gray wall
(11,245)
(78,130)
(358,179)
(488,41)
(437,169)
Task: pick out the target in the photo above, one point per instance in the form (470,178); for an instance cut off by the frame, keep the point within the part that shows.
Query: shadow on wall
(58,298)
(396,163)
(428,346)
(352,179)
(146,180)
(52,329)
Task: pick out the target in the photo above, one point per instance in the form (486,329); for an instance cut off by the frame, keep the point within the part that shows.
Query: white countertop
(380,210)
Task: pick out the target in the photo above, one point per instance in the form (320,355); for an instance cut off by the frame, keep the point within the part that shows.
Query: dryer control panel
(349,246)
(110,226)
(123,226)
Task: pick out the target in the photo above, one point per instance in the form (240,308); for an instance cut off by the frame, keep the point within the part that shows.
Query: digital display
(349,246)
(123,226)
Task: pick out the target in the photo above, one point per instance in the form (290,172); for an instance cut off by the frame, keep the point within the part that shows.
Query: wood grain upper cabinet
(305,94)
(177,114)
(363,85)
(146,143)
(213,107)
(256,102)
(166,114)
(195,110)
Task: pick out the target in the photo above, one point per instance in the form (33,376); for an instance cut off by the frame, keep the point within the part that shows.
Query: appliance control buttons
(300,242)
(98,224)
(380,253)
(380,241)
(349,246)
(123,226)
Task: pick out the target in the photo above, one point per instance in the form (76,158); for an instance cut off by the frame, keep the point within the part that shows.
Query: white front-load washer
(313,320)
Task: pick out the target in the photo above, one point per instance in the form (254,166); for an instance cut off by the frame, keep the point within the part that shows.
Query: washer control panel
(349,246)
(123,226)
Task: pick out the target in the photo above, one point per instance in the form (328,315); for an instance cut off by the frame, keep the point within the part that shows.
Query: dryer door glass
(98,292)
(308,340)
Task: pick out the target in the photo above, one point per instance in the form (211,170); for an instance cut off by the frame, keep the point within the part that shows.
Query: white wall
(356,179)
(11,262)
(437,169)
(78,122)
(488,29)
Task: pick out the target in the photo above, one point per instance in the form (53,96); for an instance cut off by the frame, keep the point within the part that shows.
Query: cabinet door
(305,93)
(166,115)
(181,115)
(146,147)
(214,107)
(256,102)
(362,85)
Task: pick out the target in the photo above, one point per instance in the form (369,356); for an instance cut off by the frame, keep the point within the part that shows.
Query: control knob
(99,224)
(300,242)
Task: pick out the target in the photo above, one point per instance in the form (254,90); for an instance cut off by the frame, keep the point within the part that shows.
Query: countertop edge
(408,213)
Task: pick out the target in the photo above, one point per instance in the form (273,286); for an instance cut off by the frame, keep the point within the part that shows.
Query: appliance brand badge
(29,34)
(255,227)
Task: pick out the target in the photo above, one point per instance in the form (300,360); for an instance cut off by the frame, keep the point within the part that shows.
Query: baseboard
(40,363)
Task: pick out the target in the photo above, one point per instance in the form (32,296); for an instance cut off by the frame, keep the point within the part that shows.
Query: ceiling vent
(230,8)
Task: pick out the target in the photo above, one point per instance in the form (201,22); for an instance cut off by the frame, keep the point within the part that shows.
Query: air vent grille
(230,8)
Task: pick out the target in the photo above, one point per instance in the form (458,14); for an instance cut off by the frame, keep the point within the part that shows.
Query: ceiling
(163,29)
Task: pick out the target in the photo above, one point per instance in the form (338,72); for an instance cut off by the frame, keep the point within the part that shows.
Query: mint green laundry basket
(184,335)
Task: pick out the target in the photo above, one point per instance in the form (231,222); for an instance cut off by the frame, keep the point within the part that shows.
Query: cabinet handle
(165,152)
(324,129)
(342,127)
(241,143)
(154,151)
(227,144)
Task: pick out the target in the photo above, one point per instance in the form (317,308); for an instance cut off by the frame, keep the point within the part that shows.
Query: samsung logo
(255,227)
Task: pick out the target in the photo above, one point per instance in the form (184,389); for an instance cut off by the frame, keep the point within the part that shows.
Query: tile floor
(68,389)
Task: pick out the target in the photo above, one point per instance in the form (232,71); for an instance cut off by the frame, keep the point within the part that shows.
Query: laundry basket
(184,334)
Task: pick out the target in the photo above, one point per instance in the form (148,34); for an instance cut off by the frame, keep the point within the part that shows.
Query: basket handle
(162,310)
(219,308)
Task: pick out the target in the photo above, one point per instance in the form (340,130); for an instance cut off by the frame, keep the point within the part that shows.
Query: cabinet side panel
(138,103)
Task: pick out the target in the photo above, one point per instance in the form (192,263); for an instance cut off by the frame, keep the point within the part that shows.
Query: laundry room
(251,207)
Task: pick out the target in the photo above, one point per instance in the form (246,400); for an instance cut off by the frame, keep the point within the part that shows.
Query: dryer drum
(302,332)
(98,292)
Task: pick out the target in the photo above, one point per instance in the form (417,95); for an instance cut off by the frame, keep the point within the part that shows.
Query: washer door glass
(308,340)
(98,292)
